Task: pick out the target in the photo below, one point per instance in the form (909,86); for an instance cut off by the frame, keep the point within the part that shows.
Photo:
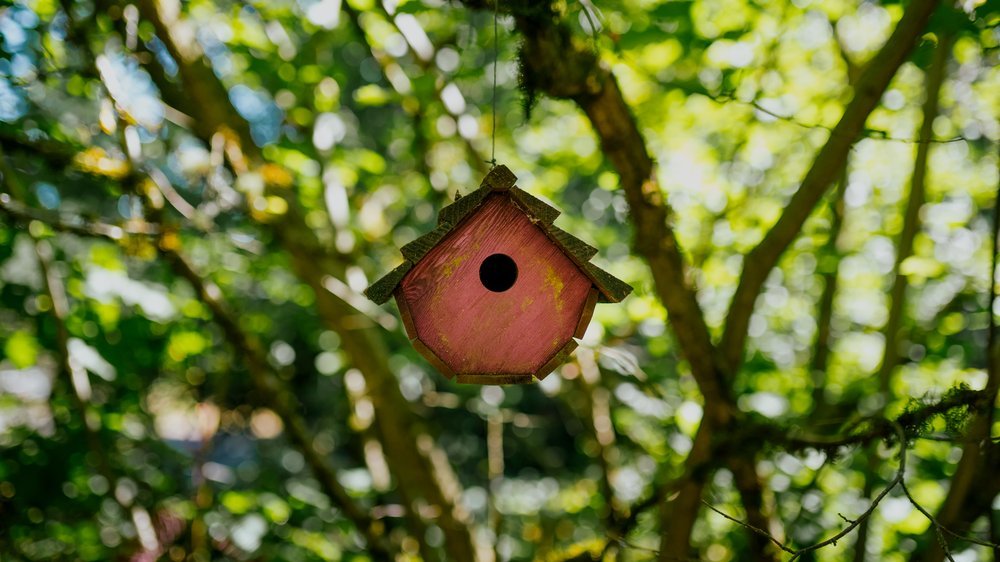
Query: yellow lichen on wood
(448,269)
(553,280)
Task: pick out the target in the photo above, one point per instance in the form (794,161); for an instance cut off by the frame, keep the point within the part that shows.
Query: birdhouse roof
(501,180)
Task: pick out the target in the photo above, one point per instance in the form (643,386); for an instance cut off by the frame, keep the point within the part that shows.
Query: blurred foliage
(365,118)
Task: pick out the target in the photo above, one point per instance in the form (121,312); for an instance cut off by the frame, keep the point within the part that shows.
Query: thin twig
(753,528)
(901,435)
(74,224)
(941,529)
(723,98)
(873,134)
(953,438)
(868,90)
(632,546)
(910,421)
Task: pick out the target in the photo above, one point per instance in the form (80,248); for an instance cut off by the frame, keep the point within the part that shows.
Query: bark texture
(558,65)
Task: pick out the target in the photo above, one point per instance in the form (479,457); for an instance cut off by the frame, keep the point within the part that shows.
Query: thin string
(496,56)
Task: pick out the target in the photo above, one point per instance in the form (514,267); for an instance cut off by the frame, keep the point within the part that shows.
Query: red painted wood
(474,330)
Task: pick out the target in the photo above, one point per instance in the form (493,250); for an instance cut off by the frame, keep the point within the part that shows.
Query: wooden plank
(380,291)
(404,314)
(500,178)
(578,250)
(418,248)
(612,289)
(454,213)
(433,359)
(538,208)
(494,379)
(557,359)
(588,312)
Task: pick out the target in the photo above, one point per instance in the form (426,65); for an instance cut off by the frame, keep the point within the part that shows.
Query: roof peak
(501,180)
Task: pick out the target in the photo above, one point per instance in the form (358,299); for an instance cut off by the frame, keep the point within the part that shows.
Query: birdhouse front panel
(496,296)
(496,292)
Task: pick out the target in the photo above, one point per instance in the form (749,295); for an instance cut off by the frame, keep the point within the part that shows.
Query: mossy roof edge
(380,291)
(501,180)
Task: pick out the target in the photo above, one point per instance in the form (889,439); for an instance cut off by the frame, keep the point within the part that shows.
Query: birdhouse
(496,293)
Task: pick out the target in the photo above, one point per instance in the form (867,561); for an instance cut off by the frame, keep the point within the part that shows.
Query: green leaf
(372,95)
(22,349)
(239,503)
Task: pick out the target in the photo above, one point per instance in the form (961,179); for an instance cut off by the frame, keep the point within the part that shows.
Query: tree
(804,197)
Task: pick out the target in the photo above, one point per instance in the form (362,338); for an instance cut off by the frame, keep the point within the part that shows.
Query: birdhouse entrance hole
(498,272)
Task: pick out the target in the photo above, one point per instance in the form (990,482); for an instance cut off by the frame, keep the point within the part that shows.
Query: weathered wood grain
(475,331)
(558,359)
(405,315)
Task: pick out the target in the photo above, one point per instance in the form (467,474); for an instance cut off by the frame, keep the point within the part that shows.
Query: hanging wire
(496,56)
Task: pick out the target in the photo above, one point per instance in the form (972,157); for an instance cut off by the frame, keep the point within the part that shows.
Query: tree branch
(852,524)
(751,527)
(478,159)
(213,113)
(901,437)
(939,529)
(868,91)
(556,64)
(278,397)
(74,224)
(75,375)
(980,455)
(904,249)
(264,379)
(679,512)
(911,216)
(561,67)
(416,461)
(752,494)
(824,314)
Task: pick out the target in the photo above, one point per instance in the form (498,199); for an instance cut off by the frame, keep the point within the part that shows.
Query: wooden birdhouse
(496,293)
